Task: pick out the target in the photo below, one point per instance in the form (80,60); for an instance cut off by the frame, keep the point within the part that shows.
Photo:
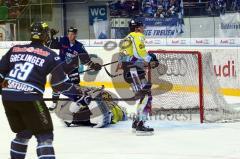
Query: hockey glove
(154,61)
(53,32)
(95,66)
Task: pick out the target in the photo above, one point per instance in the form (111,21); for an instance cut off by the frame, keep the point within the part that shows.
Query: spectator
(167,8)
(236,5)
(173,8)
(132,7)
(217,7)
(3,10)
(221,6)
(115,8)
(16,6)
(160,12)
(165,4)
(149,7)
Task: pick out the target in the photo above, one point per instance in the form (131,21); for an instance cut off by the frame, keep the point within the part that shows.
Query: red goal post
(166,53)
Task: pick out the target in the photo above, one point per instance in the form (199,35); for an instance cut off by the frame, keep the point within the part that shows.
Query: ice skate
(142,130)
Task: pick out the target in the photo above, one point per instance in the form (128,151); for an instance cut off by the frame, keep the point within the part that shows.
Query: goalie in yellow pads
(100,113)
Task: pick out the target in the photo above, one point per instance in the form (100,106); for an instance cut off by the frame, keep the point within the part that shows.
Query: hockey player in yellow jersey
(133,57)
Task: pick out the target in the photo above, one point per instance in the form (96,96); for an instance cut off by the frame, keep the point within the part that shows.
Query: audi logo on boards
(176,66)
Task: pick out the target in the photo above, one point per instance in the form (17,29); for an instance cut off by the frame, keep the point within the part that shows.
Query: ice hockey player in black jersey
(23,72)
(73,53)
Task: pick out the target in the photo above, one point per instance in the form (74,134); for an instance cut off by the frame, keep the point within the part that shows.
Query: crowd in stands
(146,8)
(11,9)
(169,8)
(222,6)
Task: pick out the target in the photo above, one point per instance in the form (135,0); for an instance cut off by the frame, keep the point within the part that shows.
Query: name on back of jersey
(28,58)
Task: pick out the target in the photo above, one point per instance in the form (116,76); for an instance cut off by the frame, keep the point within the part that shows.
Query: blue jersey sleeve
(64,44)
(54,43)
(83,54)
(56,69)
(59,80)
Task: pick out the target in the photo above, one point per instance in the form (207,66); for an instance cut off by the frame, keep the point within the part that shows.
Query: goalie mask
(39,32)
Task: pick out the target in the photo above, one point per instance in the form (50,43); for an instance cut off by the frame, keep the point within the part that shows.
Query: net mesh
(176,87)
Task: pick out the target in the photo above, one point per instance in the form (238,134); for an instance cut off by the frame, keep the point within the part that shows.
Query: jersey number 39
(21,70)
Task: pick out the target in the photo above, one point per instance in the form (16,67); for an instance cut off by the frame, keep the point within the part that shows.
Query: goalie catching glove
(154,61)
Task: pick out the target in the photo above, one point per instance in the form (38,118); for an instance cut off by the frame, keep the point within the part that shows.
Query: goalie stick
(95,99)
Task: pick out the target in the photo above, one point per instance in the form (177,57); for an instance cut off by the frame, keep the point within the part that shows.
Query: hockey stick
(94,99)
(110,75)
(102,66)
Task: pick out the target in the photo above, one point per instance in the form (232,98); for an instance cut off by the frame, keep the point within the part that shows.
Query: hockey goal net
(185,82)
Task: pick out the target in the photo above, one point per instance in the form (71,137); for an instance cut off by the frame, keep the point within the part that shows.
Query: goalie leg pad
(82,115)
(101,114)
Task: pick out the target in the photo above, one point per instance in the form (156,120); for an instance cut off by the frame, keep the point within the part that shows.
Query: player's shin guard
(45,148)
(19,145)
(142,114)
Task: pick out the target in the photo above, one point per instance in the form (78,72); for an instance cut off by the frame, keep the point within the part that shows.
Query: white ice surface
(172,140)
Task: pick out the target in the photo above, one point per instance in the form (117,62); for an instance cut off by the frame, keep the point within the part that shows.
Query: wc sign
(97,13)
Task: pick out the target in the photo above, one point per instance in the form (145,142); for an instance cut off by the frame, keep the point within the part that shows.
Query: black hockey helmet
(133,24)
(39,32)
(73,29)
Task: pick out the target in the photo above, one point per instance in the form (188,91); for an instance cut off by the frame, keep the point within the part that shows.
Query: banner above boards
(229,25)
(163,27)
(218,42)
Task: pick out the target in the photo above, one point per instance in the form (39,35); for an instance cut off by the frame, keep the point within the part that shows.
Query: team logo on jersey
(141,46)
(69,57)
(75,53)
